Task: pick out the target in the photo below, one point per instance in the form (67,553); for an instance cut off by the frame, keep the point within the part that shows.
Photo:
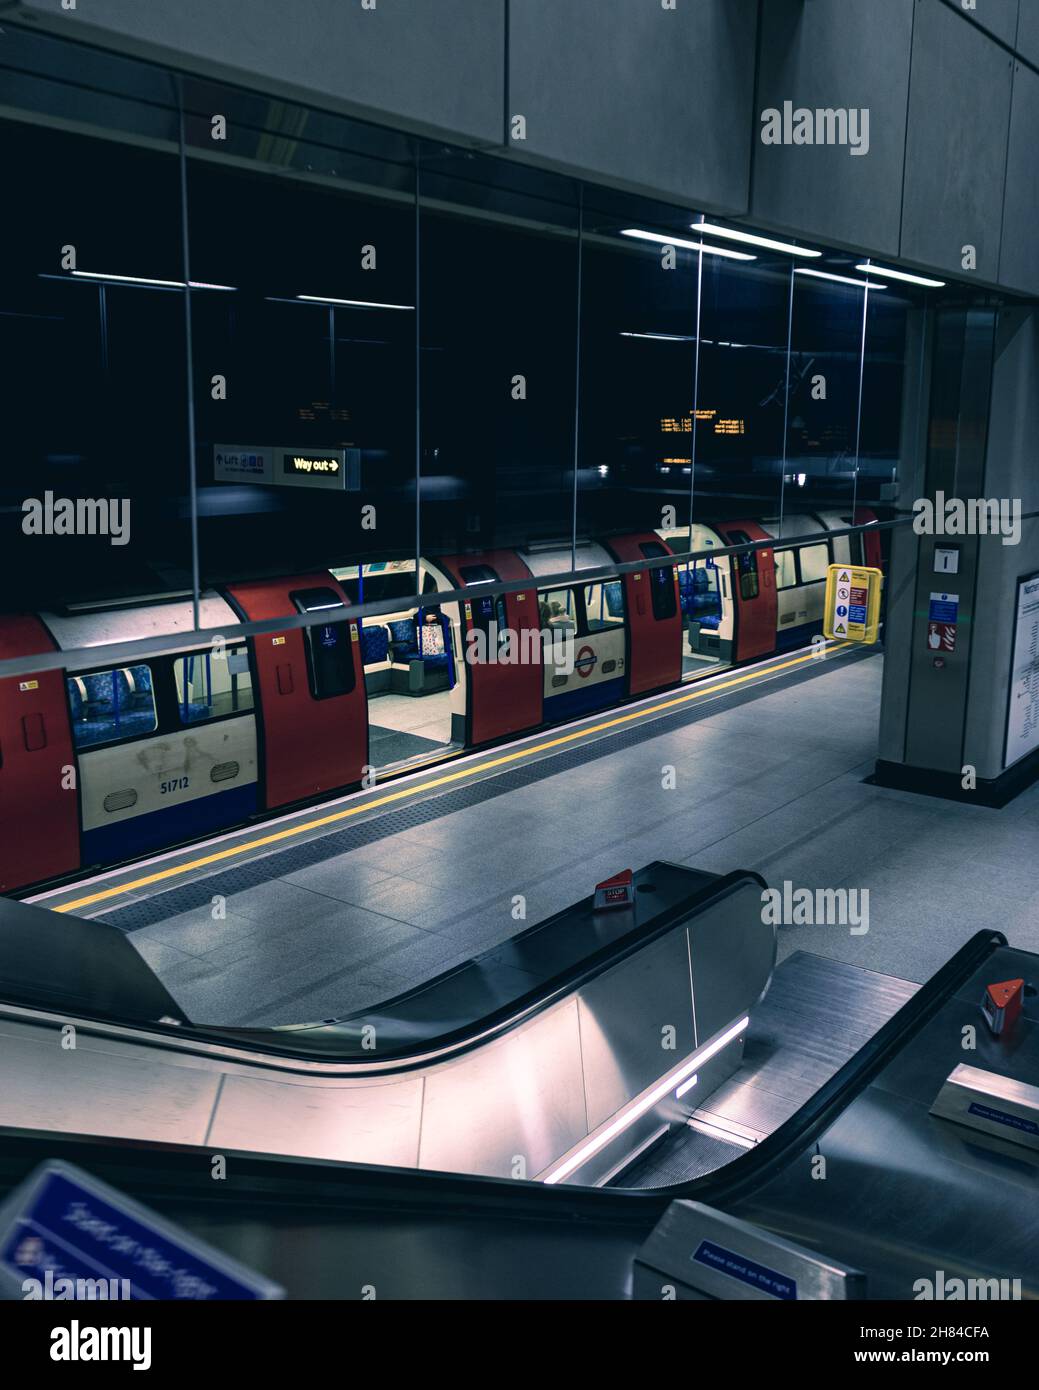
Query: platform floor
(765,777)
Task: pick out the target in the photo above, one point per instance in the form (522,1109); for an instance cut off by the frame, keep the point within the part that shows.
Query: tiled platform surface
(773,783)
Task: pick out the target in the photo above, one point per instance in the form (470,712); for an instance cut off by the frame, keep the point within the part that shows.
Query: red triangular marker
(618,891)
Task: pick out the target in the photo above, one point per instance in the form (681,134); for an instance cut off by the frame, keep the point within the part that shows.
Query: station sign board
(287,465)
(852,612)
(65,1234)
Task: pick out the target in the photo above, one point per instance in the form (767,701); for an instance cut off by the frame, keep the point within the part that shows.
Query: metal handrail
(118,653)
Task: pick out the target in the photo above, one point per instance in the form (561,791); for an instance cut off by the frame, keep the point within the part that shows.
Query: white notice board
(1023,715)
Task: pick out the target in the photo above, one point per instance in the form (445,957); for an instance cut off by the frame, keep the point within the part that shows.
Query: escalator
(432,1147)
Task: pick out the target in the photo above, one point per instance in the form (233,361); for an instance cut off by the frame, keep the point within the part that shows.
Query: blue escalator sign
(769,1281)
(66,1235)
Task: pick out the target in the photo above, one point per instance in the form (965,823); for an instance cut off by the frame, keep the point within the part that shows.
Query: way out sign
(852,603)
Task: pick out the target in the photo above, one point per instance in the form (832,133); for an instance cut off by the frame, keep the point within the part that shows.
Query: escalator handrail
(324,1184)
(286,1048)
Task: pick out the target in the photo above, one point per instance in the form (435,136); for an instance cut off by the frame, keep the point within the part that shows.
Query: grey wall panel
(1010,473)
(638,96)
(959,118)
(1028,31)
(999,17)
(832,54)
(1019,262)
(433,66)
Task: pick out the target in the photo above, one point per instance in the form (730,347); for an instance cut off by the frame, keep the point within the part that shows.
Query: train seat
(375,644)
(375,653)
(110,705)
(409,643)
(706,605)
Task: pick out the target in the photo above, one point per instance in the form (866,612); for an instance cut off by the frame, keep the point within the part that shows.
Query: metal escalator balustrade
(556,1055)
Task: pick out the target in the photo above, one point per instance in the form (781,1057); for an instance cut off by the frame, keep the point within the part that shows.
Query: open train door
(654,613)
(313,707)
(39,835)
(501,698)
(754,591)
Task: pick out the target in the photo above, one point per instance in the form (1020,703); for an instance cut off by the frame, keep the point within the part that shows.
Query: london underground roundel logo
(584,662)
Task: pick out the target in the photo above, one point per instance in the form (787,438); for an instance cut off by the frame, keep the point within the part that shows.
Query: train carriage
(107,760)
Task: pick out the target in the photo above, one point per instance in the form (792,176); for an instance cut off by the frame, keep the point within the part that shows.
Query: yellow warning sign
(852,603)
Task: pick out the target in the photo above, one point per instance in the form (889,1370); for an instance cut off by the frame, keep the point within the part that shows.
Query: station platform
(336,906)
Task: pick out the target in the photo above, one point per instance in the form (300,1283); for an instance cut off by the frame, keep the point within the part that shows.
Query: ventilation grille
(121,801)
(225,772)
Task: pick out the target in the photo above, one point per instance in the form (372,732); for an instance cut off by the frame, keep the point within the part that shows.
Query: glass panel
(498,322)
(746,566)
(638,370)
(330,662)
(815,560)
(107,706)
(661,584)
(213,684)
(604,606)
(558,612)
(92,331)
(305,365)
(786,569)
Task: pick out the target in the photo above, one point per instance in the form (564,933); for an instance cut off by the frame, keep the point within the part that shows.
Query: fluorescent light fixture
(841,279)
(350,303)
(148,283)
(686,1086)
(712,230)
(664,337)
(901,275)
(632,1113)
(687,245)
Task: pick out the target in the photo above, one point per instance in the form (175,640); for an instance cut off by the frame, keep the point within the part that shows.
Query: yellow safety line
(160,874)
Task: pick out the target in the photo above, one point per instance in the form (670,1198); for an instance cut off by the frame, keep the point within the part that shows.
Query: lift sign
(852,603)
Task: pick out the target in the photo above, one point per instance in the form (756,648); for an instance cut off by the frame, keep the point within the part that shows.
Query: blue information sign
(944,608)
(69,1234)
(1003,1117)
(769,1281)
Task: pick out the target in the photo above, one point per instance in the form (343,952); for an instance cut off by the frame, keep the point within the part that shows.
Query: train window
(604,606)
(111,705)
(213,684)
(661,583)
(486,609)
(815,561)
(330,654)
(746,566)
(786,569)
(477,574)
(558,612)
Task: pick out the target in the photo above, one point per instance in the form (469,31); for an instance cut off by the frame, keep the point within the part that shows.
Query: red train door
(501,698)
(872,549)
(313,706)
(39,833)
(654,613)
(754,591)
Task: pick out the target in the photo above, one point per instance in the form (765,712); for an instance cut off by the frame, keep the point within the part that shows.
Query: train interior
(410,668)
(706,601)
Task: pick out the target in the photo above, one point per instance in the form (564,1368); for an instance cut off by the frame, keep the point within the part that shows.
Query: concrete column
(972,412)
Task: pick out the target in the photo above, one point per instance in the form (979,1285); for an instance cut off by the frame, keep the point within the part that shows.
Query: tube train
(100,764)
